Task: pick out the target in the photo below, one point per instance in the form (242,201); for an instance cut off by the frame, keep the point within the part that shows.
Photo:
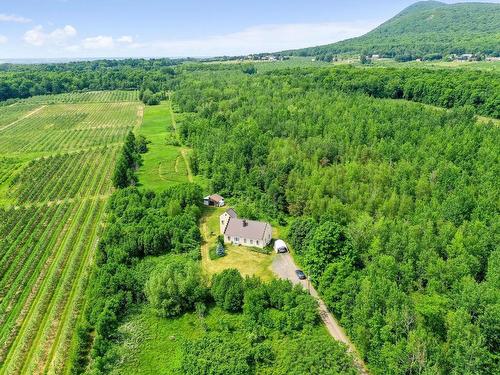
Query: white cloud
(13,18)
(98,42)
(38,37)
(126,39)
(264,38)
(3,39)
(260,38)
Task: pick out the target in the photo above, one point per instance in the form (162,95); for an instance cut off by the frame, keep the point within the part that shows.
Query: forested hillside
(423,29)
(392,206)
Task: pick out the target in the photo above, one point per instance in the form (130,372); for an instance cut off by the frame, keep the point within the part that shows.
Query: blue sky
(148,28)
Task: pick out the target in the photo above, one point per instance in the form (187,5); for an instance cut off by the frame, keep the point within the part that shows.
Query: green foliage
(151,98)
(306,355)
(325,244)
(249,69)
(23,81)
(217,354)
(141,224)
(298,232)
(227,290)
(219,250)
(280,306)
(393,202)
(128,162)
(175,288)
(142,144)
(424,28)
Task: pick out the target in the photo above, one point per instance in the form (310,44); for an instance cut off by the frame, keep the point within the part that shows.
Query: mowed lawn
(242,258)
(163,163)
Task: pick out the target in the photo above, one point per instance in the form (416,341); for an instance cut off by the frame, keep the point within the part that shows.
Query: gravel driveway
(284,267)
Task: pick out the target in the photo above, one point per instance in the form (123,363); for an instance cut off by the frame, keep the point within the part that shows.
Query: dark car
(301,275)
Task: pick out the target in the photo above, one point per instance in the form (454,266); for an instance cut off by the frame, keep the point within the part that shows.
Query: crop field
(55,175)
(84,97)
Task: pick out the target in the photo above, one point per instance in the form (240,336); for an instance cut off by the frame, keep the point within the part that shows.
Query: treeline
(393,206)
(129,161)
(445,88)
(139,224)
(272,312)
(23,81)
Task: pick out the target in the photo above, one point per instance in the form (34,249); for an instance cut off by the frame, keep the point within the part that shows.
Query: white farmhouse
(244,232)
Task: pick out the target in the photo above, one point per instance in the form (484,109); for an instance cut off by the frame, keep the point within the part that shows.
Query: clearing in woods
(166,162)
(56,161)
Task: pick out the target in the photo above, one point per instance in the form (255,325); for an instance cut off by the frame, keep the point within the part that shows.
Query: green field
(166,162)
(56,162)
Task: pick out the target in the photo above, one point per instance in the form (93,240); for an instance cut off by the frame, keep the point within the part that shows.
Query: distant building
(244,232)
(465,57)
(215,200)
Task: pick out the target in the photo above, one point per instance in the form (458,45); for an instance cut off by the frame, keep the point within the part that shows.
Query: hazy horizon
(76,29)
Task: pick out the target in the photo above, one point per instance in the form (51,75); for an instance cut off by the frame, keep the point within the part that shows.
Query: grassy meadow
(166,162)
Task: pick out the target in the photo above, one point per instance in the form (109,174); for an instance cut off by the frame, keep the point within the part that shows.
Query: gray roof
(232,213)
(253,230)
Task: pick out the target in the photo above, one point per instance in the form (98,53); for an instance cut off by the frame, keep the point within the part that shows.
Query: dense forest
(444,87)
(392,206)
(425,29)
(23,81)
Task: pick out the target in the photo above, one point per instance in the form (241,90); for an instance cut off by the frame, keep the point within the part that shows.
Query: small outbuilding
(280,246)
(214,200)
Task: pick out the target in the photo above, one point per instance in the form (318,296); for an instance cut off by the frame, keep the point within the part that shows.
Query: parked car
(300,274)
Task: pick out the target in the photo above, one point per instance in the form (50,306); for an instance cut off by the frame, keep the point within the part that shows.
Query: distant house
(465,57)
(244,232)
(215,200)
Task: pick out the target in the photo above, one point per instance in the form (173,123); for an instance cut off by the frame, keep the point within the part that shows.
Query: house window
(257,242)
(236,239)
(251,242)
(228,238)
(245,240)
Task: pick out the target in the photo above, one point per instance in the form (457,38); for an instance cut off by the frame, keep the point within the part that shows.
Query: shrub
(228,289)
(175,288)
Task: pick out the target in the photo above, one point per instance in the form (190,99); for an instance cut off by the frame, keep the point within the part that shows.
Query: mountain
(423,29)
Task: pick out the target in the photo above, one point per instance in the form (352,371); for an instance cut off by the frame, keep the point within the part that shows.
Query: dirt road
(22,118)
(284,267)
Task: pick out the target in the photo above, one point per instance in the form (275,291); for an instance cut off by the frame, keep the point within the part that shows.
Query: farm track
(49,234)
(184,150)
(22,118)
